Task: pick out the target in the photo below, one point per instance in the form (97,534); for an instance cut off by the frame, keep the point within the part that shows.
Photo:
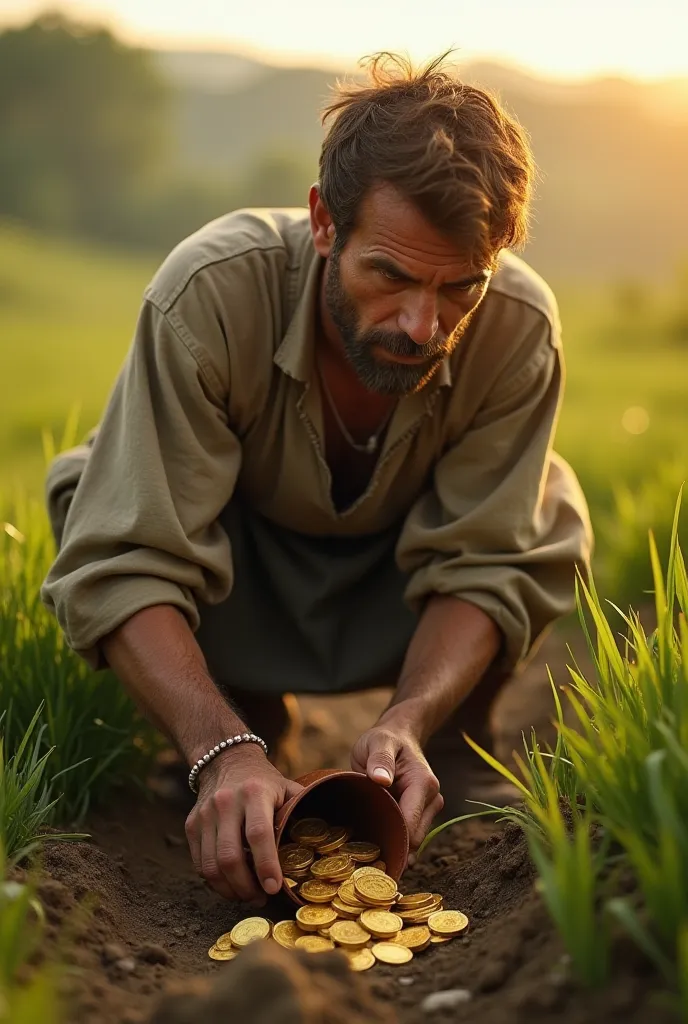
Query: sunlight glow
(560,38)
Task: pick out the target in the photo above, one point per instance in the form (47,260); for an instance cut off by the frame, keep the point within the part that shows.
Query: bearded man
(327,465)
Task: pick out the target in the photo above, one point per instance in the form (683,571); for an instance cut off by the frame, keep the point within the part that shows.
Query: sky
(559,38)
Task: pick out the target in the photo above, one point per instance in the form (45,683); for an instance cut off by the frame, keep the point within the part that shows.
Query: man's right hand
(239,793)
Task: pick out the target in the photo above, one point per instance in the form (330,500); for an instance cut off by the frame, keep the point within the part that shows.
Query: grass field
(67,313)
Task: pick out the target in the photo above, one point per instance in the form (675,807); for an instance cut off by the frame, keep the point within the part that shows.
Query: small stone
(126,965)
(111,952)
(446,1000)
(153,954)
(179,933)
(406,981)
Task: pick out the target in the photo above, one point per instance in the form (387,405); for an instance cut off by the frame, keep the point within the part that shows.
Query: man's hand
(239,793)
(392,757)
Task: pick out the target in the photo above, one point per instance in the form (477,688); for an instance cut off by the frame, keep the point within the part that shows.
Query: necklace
(371,445)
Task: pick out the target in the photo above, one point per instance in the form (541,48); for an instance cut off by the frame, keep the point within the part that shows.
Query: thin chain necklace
(370,446)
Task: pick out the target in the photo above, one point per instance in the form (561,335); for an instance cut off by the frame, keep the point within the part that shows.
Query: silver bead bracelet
(246,737)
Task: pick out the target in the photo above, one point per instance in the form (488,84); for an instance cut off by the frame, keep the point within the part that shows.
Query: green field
(67,313)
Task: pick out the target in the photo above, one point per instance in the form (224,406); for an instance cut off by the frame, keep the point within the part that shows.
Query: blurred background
(127,124)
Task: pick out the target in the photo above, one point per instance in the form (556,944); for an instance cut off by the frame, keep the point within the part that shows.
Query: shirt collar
(295,353)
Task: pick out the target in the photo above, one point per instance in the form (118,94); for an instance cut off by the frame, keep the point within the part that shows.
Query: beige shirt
(218,396)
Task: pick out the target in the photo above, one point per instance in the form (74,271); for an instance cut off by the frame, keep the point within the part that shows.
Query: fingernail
(271,885)
(382,775)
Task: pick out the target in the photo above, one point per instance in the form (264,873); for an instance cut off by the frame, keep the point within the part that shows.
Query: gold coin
(418,916)
(360,959)
(294,859)
(286,933)
(311,918)
(291,882)
(381,923)
(437,939)
(224,942)
(249,930)
(368,869)
(314,943)
(317,892)
(221,954)
(380,865)
(349,933)
(416,938)
(391,953)
(347,912)
(324,931)
(309,831)
(336,837)
(362,853)
(448,922)
(413,901)
(347,894)
(331,867)
(375,888)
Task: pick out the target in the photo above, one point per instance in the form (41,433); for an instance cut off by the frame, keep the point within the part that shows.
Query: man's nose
(419,319)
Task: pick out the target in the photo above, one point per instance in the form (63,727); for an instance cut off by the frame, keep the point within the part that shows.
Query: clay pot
(349,798)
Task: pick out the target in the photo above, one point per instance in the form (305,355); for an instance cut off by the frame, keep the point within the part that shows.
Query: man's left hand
(393,758)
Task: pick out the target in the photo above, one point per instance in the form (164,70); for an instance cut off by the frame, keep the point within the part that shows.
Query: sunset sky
(553,37)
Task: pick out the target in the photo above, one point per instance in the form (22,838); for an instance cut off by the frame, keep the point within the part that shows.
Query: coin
(294,859)
(249,930)
(391,953)
(314,943)
(349,934)
(415,938)
(291,882)
(362,853)
(346,911)
(380,865)
(381,923)
(310,918)
(221,954)
(286,933)
(309,831)
(437,939)
(448,922)
(224,942)
(360,959)
(317,892)
(336,837)
(418,916)
(413,901)
(331,867)
(368,869)
(376,888)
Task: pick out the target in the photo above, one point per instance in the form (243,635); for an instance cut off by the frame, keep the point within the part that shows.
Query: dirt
(134,922)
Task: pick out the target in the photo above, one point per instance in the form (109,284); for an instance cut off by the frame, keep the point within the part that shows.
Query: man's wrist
(236,750)
(407,716)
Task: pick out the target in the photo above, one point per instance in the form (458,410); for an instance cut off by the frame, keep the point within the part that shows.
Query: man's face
(400,294)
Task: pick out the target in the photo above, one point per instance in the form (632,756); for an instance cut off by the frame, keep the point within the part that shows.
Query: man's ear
(322,227)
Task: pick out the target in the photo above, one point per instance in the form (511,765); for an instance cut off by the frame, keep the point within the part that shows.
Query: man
(327,465)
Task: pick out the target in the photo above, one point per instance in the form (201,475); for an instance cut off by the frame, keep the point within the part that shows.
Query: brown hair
(448,147)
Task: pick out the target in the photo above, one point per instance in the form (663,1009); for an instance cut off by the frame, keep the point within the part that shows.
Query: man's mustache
(399,344)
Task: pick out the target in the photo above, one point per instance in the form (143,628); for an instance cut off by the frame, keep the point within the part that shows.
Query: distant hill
(613,154)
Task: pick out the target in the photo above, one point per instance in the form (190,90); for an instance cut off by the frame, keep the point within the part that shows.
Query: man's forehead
(389,224)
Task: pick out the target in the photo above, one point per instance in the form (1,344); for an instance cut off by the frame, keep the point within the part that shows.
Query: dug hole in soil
(134,922)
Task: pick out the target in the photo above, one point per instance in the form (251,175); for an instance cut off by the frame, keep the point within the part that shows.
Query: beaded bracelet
(246,737)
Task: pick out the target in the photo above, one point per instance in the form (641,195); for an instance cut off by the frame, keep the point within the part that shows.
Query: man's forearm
(158,661)
(454,644)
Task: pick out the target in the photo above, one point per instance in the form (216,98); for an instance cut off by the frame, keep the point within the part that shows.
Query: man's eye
(390,275)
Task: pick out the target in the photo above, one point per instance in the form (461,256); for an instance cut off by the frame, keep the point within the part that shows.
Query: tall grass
(615,788)
(90,723)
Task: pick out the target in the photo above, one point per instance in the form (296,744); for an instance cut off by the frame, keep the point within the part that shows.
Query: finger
(231,858)
(208,862)
(193,837)
(426,821)
(380,765)
(421,791)
(260,835)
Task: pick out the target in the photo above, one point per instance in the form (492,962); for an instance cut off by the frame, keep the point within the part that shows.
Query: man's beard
(384,377)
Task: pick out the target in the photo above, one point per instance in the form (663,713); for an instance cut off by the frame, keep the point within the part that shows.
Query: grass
(95,734)
(614,791)
(21,933)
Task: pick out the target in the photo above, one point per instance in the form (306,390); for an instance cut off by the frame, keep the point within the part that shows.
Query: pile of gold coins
(351,904)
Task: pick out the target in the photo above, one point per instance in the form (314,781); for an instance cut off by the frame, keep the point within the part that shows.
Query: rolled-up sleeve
(505,522)
(142,528)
